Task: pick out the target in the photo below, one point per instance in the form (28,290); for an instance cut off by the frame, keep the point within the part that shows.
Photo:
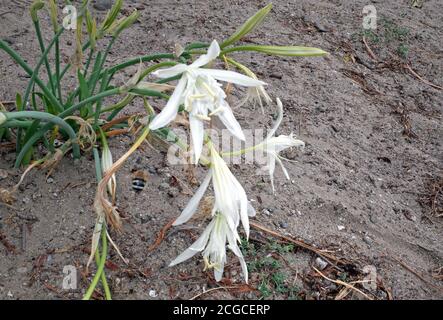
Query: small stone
(50,180)
(152,170)
(3,174)
(367,240)
(26,200)
(283,225)
(102,5)
(266,212)
(341,228)
(320,264)
(153,293)
(10,295)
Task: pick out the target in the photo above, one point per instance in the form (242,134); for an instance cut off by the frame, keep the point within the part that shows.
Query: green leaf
(84,94)
(248,26)
(292,51)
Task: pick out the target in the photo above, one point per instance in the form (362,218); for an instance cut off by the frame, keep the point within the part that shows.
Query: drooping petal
(232,77)
(197,135)
(283,167)
(171,72)
(213,52)
(170,110)
(236,250)
(271,168)
(192,205)
(196,247)
(279,119)
(227,117)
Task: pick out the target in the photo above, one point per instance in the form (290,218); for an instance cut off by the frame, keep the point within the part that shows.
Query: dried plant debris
(433,198)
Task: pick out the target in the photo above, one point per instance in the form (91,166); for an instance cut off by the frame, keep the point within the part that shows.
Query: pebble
(340,228)
(266,212)
(102,5)
(3,174)
(320,264)
(153,293)
(50,180)
(26,200)
(283,224)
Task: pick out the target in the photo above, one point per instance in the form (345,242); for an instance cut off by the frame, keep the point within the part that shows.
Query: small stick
(296,242)
(347,285)
(368,48)
(116,132)
(161,235)
(422,79)
(404,265)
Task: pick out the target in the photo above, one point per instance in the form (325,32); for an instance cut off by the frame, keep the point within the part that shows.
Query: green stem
(98,175)
(57,70)
(42,48)
(100,267)
(16,57)
(37,68)
(50,118)
(142,59)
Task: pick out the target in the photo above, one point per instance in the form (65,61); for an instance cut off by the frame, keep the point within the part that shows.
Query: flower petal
(227,117)
(197,135)
(170,72)
(279,119)
(213,52)
(236,250)
(192,205)
(232,77)
(170,110)
(196,247)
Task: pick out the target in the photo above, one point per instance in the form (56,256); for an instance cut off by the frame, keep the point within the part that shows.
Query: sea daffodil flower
(230,197)
(212,243)
(202,96)
(273,145)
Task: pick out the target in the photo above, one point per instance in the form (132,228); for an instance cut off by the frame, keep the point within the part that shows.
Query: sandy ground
(360,189)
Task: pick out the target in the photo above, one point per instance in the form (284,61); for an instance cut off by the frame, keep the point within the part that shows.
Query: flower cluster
(199,91)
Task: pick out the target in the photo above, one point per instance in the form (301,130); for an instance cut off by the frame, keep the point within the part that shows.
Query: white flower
(272,146)
(230,197)
(213,244)
(202,96)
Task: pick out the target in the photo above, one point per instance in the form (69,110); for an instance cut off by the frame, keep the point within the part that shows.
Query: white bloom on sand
(230,197)
(213,245)
(273,145)
(202,96)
